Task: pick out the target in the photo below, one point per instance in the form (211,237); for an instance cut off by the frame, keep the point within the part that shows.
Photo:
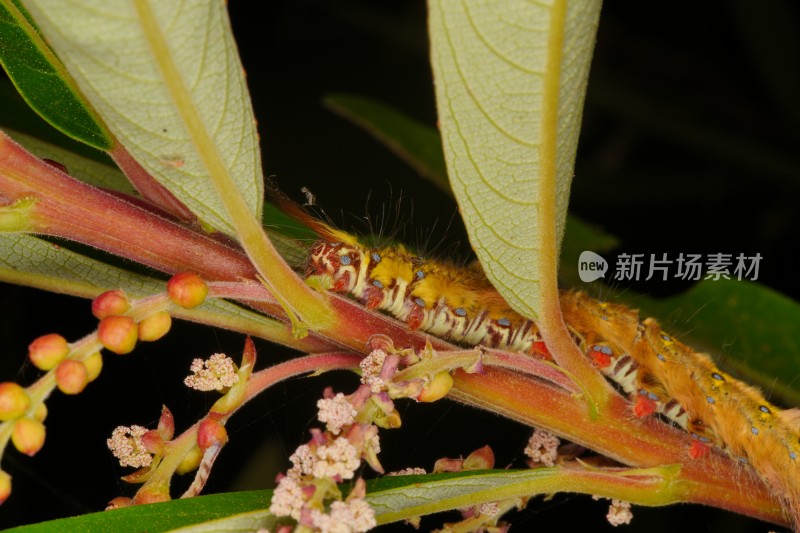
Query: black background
(689,144)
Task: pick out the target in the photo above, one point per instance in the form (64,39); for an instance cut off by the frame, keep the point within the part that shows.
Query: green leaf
(415,143)
(167,79)
(42,81)
(158,516)
(510,82)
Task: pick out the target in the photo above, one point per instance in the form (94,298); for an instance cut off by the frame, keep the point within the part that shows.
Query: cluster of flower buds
(72,366)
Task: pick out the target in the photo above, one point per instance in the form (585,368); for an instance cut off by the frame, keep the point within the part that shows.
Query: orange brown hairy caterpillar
(657,372)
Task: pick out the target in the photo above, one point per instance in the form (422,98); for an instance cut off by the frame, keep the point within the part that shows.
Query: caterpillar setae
(659,373)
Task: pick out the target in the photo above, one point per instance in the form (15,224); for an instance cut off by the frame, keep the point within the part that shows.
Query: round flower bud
(118,333)
(439,386)
(190,461)
(187,290)
(110,303)
(14,401)
(40,413)
(211,432)
(5,486)
(48,350)
(155,326)
(94,364)
(119,502)
(71,376)
(28,436)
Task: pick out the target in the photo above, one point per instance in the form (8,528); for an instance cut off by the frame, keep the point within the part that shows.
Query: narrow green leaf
(42,81)
(167,79)
(158,517)
(416,143)
(510,82)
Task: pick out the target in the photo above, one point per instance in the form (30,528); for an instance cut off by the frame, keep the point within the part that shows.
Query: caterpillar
(659,373)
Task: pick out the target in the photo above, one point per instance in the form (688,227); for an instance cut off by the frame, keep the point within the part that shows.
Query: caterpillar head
(338,260)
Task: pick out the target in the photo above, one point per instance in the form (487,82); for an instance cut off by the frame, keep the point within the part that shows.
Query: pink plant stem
(73,210)
(714,480)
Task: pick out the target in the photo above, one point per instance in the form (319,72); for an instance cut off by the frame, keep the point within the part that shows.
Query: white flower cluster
(371,367)
(127,446)
(619,513)
(336,412)
(542,447)
(353,516)
(217,373)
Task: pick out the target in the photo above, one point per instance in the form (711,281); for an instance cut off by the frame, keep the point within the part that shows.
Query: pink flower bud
(71,376)
(155,326)
(94,364)
(153,442)
(48,350)
(119,502)
(14,401)
(211,432)
(28,436)
(166,424)
(118,333)
(480,459)
(5,486)
(110,303)
(152,493)
(187,290)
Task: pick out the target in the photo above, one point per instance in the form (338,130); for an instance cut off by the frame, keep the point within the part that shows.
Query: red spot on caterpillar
(644,406)
(698,450)
(415,317)
(341,284)
(540,348)
(373,296)
(601,359)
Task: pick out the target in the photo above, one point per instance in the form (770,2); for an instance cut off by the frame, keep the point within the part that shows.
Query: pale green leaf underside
(105,46)
(28,260)
(510,120)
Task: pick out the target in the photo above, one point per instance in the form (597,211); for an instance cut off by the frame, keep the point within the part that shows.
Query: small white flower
(371,367)
(542,447)
(411,471)
(619,513)
(127,446)
(217,373)
(302,462)
(340,459)
(287,499)
(353,516)
(336,412)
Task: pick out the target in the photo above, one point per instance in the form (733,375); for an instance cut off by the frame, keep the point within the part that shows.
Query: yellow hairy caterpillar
(660,374)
